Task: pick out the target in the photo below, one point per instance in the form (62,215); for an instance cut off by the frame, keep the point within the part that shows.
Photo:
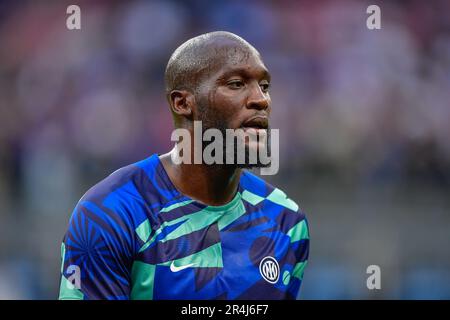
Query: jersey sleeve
(302,248)
(300,244)
(96,255)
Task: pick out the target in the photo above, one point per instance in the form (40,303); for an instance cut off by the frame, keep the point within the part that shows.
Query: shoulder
(276,204)
(140,183)
(125,198)
(102,209)
(112,184)
(253,185)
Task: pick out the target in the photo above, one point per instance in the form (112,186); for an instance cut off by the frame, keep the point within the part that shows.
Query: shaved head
(201,56)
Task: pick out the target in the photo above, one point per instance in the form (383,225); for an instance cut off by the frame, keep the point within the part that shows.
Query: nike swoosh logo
(174,268)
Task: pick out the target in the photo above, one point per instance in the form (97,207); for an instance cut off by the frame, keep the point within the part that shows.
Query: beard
(211,120)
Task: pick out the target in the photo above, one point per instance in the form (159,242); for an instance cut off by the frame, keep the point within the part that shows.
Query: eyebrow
(262,73)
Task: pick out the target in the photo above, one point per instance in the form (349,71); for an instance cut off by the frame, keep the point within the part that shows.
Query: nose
(257,99)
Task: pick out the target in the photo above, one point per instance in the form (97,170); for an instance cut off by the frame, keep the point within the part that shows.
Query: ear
(181,102)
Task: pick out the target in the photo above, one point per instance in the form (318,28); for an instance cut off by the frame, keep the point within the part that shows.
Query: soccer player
(159,229)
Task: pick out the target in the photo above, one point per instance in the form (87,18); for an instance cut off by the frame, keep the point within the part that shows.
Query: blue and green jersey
(134,236)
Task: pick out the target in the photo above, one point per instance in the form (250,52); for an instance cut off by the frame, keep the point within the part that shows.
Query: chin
(255,149)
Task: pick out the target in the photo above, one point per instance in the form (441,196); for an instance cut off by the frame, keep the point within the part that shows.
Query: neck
(213,185)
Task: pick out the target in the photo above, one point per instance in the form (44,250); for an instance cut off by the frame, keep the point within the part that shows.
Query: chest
(240,261)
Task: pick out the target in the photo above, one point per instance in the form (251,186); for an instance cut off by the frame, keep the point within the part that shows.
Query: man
(161,229)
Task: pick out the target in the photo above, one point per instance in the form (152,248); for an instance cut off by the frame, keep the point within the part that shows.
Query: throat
(212,185)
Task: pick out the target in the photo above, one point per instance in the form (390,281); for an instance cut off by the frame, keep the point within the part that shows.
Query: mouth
(257,123)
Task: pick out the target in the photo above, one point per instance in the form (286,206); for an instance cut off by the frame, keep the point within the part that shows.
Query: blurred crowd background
(363,115)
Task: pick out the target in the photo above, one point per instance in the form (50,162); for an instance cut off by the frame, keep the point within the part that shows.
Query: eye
(235,84)
(265,85)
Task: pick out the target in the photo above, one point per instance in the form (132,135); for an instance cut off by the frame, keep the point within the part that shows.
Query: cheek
(227,105)
(230,114)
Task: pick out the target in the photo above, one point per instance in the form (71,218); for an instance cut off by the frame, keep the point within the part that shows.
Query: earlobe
(181,102)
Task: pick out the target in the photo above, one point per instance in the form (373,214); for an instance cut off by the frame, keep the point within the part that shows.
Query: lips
(258,122)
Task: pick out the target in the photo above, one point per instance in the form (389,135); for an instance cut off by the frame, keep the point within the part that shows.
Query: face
(236,96)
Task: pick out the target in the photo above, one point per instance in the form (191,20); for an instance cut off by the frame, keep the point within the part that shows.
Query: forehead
(241,60)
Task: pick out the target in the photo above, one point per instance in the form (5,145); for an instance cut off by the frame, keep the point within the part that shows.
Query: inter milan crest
(269,269)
